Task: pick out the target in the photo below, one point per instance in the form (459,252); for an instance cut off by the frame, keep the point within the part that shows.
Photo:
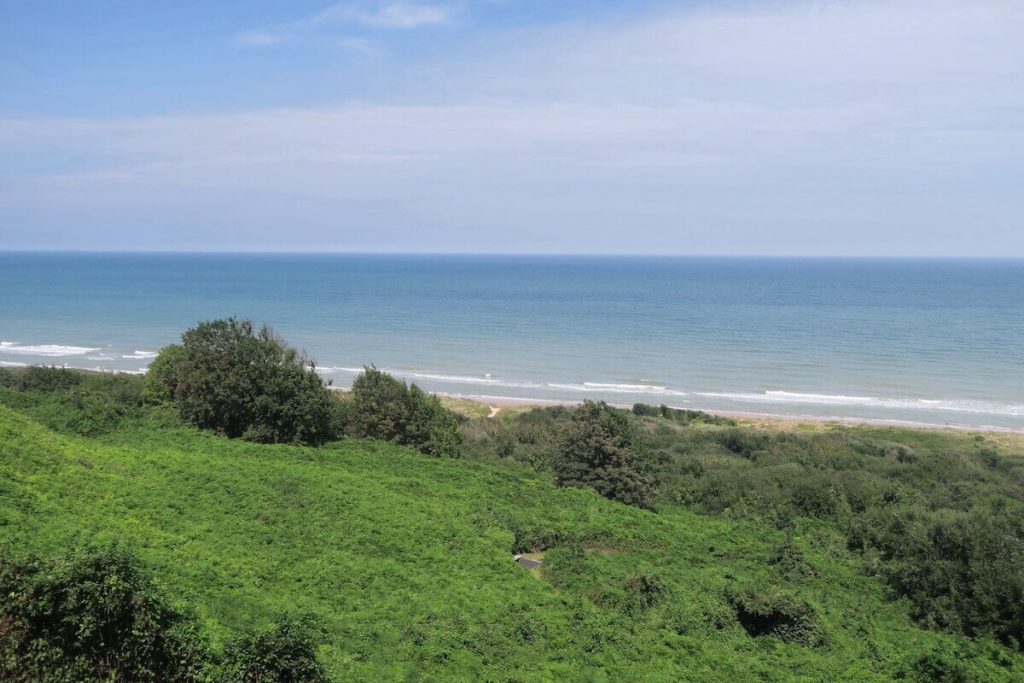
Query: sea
(923,342)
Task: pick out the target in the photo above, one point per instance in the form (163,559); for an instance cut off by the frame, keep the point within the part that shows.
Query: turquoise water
(916,341)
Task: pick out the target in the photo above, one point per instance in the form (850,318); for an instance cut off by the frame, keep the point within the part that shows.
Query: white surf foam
(797,398)
(141,355)
(604,388)
(49,350)
(12,364)
(626,387)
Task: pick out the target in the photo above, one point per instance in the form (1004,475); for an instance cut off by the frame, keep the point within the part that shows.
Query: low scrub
(385,408)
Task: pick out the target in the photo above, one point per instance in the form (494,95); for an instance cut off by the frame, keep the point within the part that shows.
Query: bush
(385,408)
(941,666)
(92,617)
(240,382)
(774,614)
(46,379)
(682,416)
(644,591)
(598,452)
(961,572)
(161,382)
(284,653)
(646,410)
(85,403)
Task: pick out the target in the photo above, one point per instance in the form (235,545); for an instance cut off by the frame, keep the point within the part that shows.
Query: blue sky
(834,127)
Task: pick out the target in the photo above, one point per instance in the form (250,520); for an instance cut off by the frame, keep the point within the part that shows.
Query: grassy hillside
(406,564)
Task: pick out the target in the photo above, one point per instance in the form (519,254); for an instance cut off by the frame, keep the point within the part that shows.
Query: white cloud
(378,14)
(856,126)
(398,15)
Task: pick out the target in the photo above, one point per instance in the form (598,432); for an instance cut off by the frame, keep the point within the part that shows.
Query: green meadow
(405,562)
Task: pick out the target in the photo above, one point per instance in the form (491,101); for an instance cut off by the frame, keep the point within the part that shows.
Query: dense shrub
(531,438)
(161,382)
(643,591)
(85,403)
(680,415)
(46,379)
(91,617)
(772,613)
(598,451)
(284,653)
(961,572)
(229,377)
(388,409)
(943,665)
(646,410)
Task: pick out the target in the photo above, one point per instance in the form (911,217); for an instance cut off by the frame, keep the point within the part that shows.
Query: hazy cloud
(379,14)
(800,127)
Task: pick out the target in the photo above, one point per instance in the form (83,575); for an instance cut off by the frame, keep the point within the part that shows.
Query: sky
(779,127)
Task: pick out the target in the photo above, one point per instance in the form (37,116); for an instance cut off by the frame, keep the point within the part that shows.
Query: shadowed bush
(388,409)
(774,614)
(92,617)
(598,451)
(283,653)
(228,377)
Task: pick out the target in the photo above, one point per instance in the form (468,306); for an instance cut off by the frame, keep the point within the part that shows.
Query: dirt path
(494,411)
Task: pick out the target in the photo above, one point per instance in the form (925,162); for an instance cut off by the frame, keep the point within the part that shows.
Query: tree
(229,377)
(388,409)
(92,616)
(598,451)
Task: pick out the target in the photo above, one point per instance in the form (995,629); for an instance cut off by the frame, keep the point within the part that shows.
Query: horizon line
(510,254)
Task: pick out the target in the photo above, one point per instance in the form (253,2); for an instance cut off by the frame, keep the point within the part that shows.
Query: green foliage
(598,452)
(161,381)
(681,416)
(92,616)
(73,401)
(46,379)
(961,571)
(284,653)
(388,409)
(406,562)
(941,666)
(777,614)
(531,438)
(644,591)
(230,378)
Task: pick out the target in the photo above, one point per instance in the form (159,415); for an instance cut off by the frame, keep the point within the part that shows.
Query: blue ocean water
(918,341)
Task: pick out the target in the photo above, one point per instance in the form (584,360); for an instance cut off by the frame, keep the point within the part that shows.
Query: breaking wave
(48,350)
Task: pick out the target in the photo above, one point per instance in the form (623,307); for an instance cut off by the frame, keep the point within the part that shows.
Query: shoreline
(493,405)
(758,418)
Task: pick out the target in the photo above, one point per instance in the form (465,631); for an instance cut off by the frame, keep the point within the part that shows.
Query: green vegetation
(382,407)
(683,417)
(91,617)
(96,615)
(228,377)
(771,553)
(598,451)
(284,652)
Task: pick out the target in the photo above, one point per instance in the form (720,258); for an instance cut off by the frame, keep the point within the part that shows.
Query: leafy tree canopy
(599,451)
(386,408)
(229,377)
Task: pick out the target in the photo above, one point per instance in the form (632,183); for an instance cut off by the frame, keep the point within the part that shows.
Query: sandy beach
(492,406)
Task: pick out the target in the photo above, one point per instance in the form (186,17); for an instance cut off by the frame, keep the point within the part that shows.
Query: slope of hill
(406,564)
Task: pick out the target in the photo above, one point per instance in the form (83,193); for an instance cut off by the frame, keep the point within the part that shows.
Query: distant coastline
(880,341)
